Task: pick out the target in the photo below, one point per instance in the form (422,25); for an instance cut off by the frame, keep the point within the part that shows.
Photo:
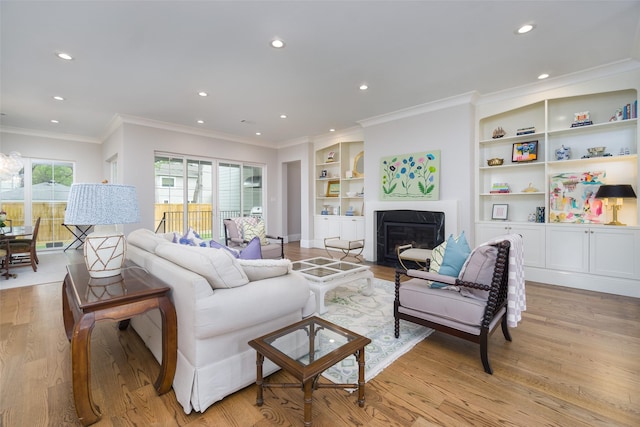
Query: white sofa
(214,325)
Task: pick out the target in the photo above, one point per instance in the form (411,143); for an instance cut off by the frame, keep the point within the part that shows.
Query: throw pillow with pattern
(249,231)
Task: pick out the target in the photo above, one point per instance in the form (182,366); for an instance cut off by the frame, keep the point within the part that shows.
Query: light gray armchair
(469,306)
(234,238)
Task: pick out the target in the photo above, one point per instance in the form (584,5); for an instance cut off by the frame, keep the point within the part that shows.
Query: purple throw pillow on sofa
(215,245)
(251,251)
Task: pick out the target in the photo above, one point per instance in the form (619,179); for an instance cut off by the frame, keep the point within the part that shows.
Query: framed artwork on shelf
(524,152)
(333,188)
(500,211)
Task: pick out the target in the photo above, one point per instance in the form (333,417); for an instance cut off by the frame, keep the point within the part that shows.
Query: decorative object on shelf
(617,116)
(572,197)
(499,187)
(323,173)
(105,206)
(331,156)
(563,153)
(524,152)
(596,151)
(624,151)
(333,188)
(540,214)
(498,133)
(616,192)
(351,193)
(325,210)
(526,131)
(581,119)
(500,211)
(348,174)
(414,176)
(496,161)
(532,217)
(349,211)
(10,165)
(358,165)
(530,189)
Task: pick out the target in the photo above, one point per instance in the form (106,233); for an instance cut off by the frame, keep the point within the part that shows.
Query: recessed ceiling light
(277,43)
(543,76)
(364,87)
(332,130)
(525,29)
(203,93)
(58,98)
(283,116)
(54,121)
(258,133)
(200,122)
(64,56)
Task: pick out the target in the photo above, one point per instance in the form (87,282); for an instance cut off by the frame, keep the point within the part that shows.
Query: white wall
(86,155)
(449,130)
(140,143)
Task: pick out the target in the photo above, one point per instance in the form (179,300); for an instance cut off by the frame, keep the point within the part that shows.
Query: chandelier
(10,164)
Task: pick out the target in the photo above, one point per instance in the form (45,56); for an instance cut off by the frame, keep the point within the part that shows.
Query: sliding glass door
(200,193)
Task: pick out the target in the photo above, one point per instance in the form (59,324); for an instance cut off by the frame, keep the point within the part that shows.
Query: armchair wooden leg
(505,328)
(484,338)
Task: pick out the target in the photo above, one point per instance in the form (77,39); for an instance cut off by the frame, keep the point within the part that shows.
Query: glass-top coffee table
(305,350)
(324,274)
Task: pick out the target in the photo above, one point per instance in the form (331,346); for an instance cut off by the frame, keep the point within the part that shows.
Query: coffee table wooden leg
(169,345)
(360,357)
(308,400)
(259,379)
(87,412)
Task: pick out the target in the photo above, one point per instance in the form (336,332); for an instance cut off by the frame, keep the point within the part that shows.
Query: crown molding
(52,135)
(294,141)
(582,76)
(140,121)
(465,98)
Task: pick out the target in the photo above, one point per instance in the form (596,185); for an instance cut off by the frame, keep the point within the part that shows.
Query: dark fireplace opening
(422,229)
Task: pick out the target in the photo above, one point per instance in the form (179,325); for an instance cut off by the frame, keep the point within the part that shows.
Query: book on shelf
(579,124)
(499,188)
(526,131)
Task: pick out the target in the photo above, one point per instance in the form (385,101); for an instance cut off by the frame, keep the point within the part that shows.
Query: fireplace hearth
(422,229)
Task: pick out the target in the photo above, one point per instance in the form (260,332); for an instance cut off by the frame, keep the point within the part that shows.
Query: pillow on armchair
(250,230)
(455,255)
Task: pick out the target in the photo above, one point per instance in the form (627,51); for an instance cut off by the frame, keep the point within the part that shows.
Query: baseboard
(590,282)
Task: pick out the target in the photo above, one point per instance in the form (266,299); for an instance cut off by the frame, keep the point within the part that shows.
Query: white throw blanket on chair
(516,298)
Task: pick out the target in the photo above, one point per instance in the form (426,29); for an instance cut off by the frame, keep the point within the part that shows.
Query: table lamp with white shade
(104,206)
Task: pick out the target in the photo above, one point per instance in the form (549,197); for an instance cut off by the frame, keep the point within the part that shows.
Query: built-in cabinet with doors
(339,192)
(559,138)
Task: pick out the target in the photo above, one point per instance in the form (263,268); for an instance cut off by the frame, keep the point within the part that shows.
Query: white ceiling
(149,59)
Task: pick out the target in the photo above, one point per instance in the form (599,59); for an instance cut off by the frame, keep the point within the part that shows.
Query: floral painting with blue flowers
(414,176)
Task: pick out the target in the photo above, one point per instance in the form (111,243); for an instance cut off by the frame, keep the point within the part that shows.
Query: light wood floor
(574,361)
